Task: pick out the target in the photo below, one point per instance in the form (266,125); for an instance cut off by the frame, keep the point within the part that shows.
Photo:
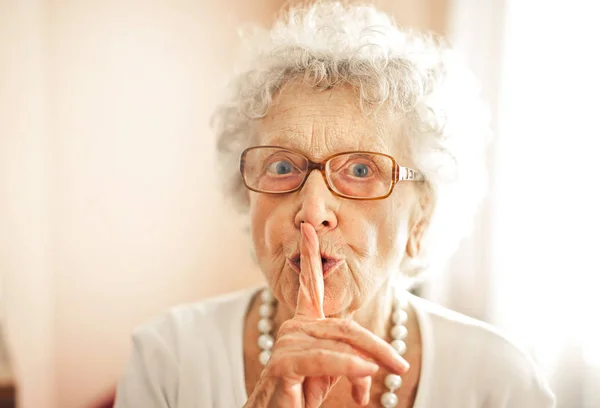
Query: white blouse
(192,357)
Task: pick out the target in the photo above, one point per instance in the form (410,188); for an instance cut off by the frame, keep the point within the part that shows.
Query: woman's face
(369,237)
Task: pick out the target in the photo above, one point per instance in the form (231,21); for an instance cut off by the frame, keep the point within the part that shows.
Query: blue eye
(280,167)
(283,167)
(360,170)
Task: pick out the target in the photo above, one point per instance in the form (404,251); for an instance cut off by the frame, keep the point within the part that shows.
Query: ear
(419,220)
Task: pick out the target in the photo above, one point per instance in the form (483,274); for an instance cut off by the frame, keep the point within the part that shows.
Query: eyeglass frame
(399,173)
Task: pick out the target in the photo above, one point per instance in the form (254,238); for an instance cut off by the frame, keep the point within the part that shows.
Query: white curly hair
(414,78)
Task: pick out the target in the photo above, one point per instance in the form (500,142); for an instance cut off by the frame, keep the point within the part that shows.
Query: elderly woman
(360,148)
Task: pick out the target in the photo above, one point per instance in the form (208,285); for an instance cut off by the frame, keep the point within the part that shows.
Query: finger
(361,389)
(300,344)
(360,338)
(319,362)
(310,293)
(316,390)
(361,385)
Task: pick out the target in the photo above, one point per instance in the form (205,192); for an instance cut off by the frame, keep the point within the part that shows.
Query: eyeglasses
(354,175)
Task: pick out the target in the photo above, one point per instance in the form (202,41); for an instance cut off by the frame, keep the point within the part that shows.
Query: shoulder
(193,321)
(476,351)
(449,329)
(173,354)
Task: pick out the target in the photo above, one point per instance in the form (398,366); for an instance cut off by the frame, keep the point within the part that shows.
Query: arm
(150,378)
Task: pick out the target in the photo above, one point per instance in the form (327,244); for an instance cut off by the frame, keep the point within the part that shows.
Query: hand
(311,352)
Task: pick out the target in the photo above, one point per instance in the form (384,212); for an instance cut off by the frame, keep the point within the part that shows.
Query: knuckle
(354,363)
(320,359)
(288,326)
(347,326)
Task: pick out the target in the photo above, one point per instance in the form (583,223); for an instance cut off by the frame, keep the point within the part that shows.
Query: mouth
(328,263)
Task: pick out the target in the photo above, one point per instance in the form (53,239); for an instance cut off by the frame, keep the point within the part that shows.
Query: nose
(316,206)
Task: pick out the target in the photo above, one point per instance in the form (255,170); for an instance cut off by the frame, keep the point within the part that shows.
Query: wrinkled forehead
(322,123)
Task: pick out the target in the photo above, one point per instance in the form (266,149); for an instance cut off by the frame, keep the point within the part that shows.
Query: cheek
(392,234)
(270,226)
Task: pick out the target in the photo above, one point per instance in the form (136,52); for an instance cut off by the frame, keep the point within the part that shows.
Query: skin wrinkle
(369,234)
(295,139)
(301,112)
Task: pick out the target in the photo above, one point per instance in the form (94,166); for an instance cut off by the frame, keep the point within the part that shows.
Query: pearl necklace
(398,333)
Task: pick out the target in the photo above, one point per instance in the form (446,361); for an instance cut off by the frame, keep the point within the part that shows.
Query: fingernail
(405,366)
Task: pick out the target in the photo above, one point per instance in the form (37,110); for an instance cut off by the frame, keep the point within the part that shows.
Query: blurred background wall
(108,208)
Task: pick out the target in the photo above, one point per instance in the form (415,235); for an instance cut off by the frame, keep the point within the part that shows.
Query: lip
(329,266)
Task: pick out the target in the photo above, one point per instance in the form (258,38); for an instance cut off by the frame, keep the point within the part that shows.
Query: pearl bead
(264,357)
(399,346)
(265,325)
(266,296)
(399,317)
(265,310)
(265,342)
(389,400)
(399,332)
(393,381)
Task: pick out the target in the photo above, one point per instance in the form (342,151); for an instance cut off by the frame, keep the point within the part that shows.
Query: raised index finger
(310,293)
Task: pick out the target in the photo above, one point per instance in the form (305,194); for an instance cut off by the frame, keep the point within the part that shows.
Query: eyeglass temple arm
(405,173)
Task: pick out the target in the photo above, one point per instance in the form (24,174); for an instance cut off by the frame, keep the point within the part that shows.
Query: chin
(337,298)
